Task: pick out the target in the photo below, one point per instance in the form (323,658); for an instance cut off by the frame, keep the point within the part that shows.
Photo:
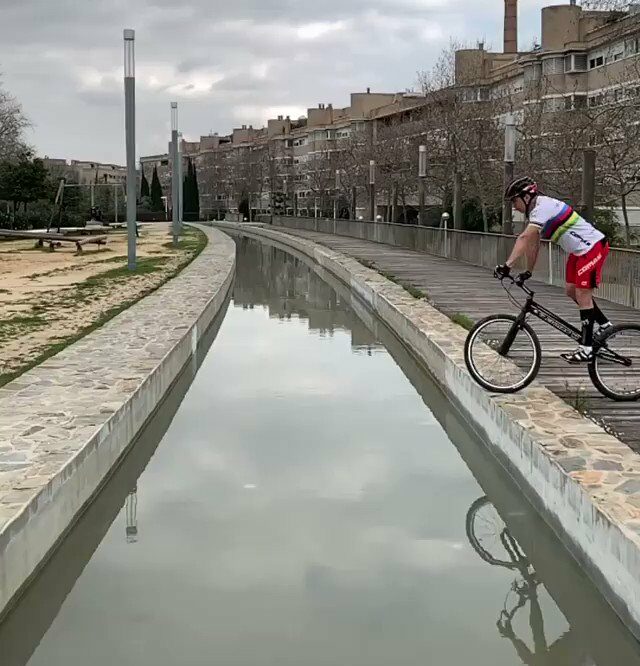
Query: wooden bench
(53,240)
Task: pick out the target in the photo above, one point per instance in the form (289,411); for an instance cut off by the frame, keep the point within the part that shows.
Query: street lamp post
(175,174)
(509,170)
(422,177)
(130,133)
(337,194)
(372,189)
(445,225)
(180,183)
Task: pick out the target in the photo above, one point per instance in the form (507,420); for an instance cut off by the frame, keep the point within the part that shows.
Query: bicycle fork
(505,347)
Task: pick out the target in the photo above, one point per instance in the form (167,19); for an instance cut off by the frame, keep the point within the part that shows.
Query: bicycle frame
(532,308)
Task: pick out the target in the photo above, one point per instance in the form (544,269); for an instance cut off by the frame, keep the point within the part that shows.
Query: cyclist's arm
(528,246)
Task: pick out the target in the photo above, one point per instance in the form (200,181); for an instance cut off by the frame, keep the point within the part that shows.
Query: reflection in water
(131,512)
(286,286)
(491,539)
(306,508)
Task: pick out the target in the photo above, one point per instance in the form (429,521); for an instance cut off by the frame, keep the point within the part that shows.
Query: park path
(455,287)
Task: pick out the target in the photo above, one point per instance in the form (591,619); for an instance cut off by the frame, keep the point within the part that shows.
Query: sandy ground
(45,299)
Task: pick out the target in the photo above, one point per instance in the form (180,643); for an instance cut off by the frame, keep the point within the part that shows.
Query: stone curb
(584,481)
(66,423)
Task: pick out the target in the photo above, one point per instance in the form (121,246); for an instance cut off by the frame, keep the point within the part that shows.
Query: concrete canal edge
(65,424)
(582,480)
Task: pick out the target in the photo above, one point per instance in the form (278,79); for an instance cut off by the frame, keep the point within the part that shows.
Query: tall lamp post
(337,195)
(175,174)
(422,176)
(509,170)
(372,188)
(180,184)
(130,133)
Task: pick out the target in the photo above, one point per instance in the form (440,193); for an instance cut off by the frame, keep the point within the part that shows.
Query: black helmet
(521,187)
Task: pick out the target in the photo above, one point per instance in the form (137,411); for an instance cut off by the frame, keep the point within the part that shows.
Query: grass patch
(577,398)
(100,250)
(189,241)
(57,347)
(19,325)
(413,290)
(143,267)
(367,264)
(463,320)
(54,271)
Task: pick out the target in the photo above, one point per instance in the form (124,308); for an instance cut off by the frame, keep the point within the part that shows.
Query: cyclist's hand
(522,278)
(502,271)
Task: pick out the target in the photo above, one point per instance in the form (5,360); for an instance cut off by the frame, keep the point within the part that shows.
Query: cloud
(223,62)
(311,31)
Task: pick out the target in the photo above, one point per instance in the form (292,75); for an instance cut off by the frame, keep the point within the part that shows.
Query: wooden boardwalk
(455,287)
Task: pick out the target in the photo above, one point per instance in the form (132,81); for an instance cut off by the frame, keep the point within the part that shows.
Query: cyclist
(554,220)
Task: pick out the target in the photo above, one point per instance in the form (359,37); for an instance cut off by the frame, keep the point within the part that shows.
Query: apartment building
(272,167)
(86,172)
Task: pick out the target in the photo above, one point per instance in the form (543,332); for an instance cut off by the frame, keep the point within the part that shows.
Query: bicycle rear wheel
(615,369)
(501,355)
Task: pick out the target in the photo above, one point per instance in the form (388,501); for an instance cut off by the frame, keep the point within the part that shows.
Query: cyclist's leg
(579,288)
(601,318)
(588,275)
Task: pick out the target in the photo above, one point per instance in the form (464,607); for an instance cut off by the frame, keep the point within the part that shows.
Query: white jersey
(558,222)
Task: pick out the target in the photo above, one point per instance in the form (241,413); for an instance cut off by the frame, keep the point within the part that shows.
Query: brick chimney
(511,26)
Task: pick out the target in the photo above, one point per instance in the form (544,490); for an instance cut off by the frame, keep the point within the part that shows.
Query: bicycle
(512,350)
(494,543)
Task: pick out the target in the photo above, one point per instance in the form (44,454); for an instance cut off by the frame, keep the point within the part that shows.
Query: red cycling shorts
(585,271)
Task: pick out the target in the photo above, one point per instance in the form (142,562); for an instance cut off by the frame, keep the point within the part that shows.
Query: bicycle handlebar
(522,285)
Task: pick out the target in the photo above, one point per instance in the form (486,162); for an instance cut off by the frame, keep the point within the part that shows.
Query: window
(532,73)
(579,101)
(553,104)
(631,46)
(575,62)
(552,66)
(597,61)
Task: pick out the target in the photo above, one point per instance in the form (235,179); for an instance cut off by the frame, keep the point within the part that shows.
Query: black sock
(588,319)
(599,316)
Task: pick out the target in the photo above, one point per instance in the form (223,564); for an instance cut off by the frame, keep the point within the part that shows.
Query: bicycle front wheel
(615,369)
(489,536)
(502,355)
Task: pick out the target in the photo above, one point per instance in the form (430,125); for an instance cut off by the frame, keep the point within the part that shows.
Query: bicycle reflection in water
(490,538)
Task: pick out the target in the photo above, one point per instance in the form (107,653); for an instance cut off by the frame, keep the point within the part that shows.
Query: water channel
(309,498)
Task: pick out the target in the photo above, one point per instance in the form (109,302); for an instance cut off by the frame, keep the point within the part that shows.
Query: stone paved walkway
(455,287)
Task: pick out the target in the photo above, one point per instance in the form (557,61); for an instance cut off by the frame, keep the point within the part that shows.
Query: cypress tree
(144,186)
(156,192)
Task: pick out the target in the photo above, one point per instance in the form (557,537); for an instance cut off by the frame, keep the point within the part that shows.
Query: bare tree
(13,122)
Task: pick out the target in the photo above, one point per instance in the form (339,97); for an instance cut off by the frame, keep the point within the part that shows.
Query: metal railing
(621,278)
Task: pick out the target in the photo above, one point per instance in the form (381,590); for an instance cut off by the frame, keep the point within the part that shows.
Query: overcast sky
(227,62)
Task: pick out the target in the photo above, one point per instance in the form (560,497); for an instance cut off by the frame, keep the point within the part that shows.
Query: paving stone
(572,464)
(607,465)
(629,487)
